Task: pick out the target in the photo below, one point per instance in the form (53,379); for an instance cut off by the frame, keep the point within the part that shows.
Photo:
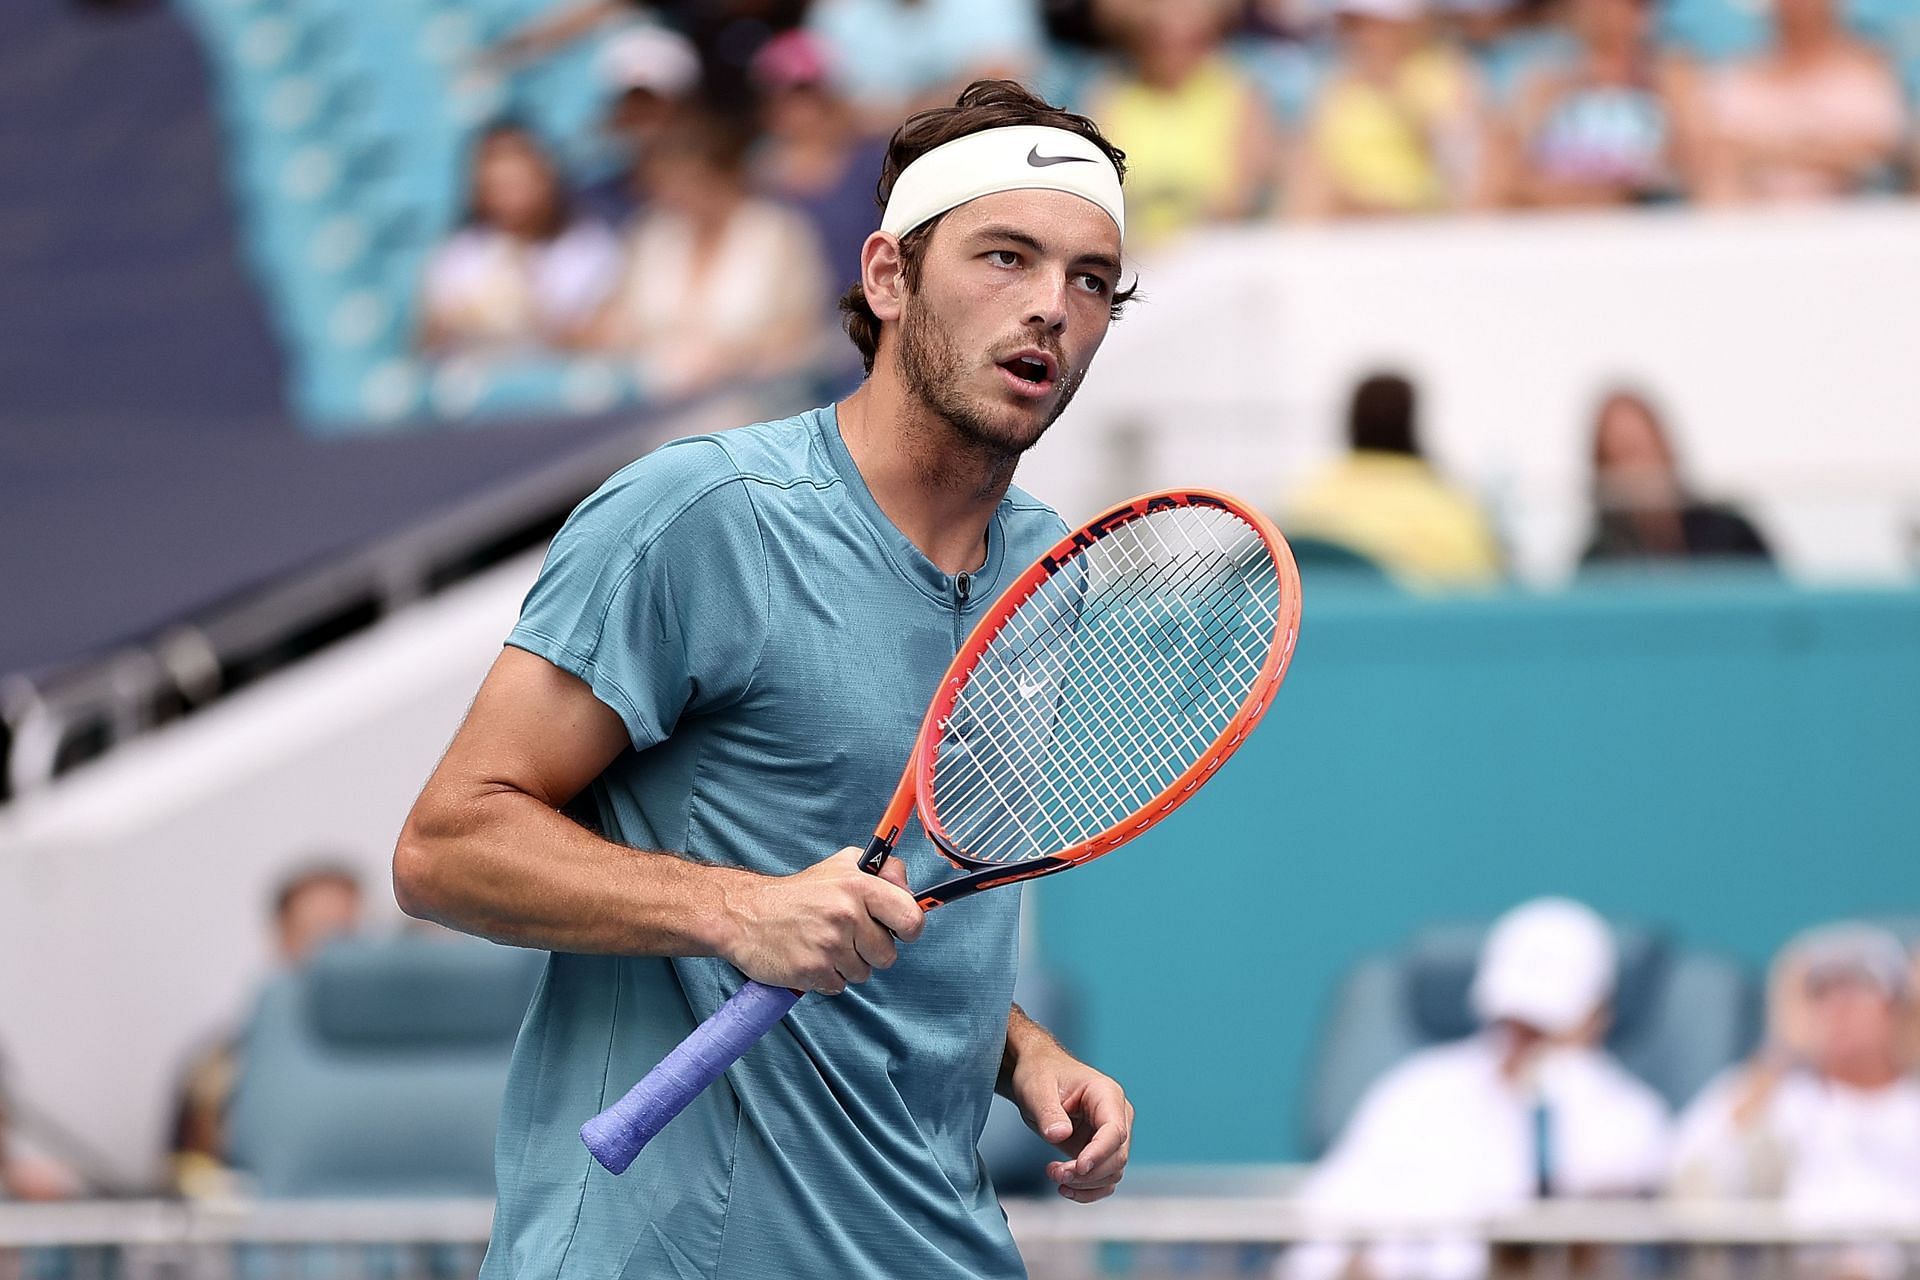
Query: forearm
(1025,1039)
(506,866)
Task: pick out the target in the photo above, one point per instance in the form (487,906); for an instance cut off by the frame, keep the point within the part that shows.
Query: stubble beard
(979,449)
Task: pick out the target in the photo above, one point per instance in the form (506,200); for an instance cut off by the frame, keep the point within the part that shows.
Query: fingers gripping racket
(1097,694)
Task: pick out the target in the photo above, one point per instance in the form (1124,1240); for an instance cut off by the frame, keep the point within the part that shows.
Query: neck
(939,489)
(1612,66)
(1801,46)
(1868,1073)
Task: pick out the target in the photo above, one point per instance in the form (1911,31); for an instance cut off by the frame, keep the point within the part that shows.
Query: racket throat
(989,878)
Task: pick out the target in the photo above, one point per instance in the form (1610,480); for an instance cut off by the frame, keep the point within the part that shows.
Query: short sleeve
(654,592)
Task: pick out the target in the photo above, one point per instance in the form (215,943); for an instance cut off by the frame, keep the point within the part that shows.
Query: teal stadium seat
(378,1070)
(1679,1017)
(347,130)
(1717,30)
(1324,562)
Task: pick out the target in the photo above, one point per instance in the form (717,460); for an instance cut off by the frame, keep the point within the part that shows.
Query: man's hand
(1077,1109)
(822,928)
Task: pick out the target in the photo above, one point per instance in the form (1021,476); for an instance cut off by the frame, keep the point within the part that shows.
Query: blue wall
(1732,759)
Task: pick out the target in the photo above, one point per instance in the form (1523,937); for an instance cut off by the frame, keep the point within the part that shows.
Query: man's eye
(1093,284)
(1003,257)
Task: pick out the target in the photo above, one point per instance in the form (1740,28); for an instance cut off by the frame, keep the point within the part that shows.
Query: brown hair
(984,104)
(509,132)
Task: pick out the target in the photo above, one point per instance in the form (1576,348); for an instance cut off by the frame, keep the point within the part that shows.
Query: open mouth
(1029,373)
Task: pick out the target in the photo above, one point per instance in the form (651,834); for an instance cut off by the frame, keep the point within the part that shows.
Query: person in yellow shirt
(1385,501)
(1398,128)
(1200,143)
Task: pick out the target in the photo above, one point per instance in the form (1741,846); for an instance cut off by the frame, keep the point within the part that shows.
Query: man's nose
(1047,308)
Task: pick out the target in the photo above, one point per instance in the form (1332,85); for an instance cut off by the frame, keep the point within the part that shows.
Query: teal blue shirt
(770,640)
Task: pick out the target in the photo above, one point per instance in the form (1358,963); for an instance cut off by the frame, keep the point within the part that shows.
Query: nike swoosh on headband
(1039,161)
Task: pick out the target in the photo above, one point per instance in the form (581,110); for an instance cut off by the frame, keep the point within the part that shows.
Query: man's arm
(1077,1109)
(487,851)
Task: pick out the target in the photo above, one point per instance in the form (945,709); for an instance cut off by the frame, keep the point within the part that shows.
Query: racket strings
(1153,772)
(1144,646)
(1124,658)
(1023,819)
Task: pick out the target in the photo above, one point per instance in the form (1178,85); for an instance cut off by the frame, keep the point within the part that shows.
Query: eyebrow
(994,231)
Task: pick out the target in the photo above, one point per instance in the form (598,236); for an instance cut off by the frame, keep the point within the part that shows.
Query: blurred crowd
(747,139)
(1824,1119)
(1386,507)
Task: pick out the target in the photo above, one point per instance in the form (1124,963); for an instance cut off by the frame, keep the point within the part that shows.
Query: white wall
(1785,346)
(134,894)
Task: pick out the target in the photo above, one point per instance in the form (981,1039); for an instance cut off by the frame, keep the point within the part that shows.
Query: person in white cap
(711,686)
(1529,1107)
(652,73)
(1827,1117)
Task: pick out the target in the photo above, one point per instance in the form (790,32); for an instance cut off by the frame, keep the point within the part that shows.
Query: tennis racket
(1097,694)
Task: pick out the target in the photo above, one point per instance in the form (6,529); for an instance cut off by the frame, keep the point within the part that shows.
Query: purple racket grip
(616,1135)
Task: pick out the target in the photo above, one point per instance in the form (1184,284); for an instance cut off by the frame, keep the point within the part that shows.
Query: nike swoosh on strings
(1039,161)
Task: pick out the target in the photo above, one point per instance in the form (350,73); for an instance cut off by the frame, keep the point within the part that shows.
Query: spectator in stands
(1387,502)
(813,155)
(1506,41)
(726,33)
(520,273)
(1531,1106)
(1818,115)
(1643,510)
(1826,1119)
(1619,125)
(1199,141)
(652,71)
(719,284)
(315,904)
(897,56)
(1399,126)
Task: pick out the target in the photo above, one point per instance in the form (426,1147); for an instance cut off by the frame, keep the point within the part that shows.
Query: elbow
(417,872)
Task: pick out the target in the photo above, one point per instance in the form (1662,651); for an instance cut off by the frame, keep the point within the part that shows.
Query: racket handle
(616,1135)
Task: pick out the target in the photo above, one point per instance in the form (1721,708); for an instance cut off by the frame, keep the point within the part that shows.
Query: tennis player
(714,684)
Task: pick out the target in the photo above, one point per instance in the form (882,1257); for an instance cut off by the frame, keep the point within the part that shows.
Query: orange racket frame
(915,791)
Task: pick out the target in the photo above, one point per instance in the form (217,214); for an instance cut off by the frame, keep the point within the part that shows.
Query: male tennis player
(715,683)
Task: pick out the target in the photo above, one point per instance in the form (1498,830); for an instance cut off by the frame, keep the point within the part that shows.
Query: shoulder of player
(707,478)
(1029,511)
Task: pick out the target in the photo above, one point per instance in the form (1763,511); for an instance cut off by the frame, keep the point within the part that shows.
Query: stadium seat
(1679,1017)
(1323,561)
(378,1070)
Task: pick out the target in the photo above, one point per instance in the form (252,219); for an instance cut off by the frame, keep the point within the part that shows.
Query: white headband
(1021,157)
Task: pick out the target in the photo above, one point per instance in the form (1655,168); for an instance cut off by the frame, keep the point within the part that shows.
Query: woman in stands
(1200,144)
(1826,1119)
(719,284)
(1643,508)
(1617,126)
(521,273)
(1398,128)
(1820,114)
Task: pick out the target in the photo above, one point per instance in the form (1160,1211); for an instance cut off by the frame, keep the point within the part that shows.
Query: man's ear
(883,275)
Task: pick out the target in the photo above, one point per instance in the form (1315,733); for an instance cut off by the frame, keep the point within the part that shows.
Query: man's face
(1013,301)
(317,912)
(1854,1025)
